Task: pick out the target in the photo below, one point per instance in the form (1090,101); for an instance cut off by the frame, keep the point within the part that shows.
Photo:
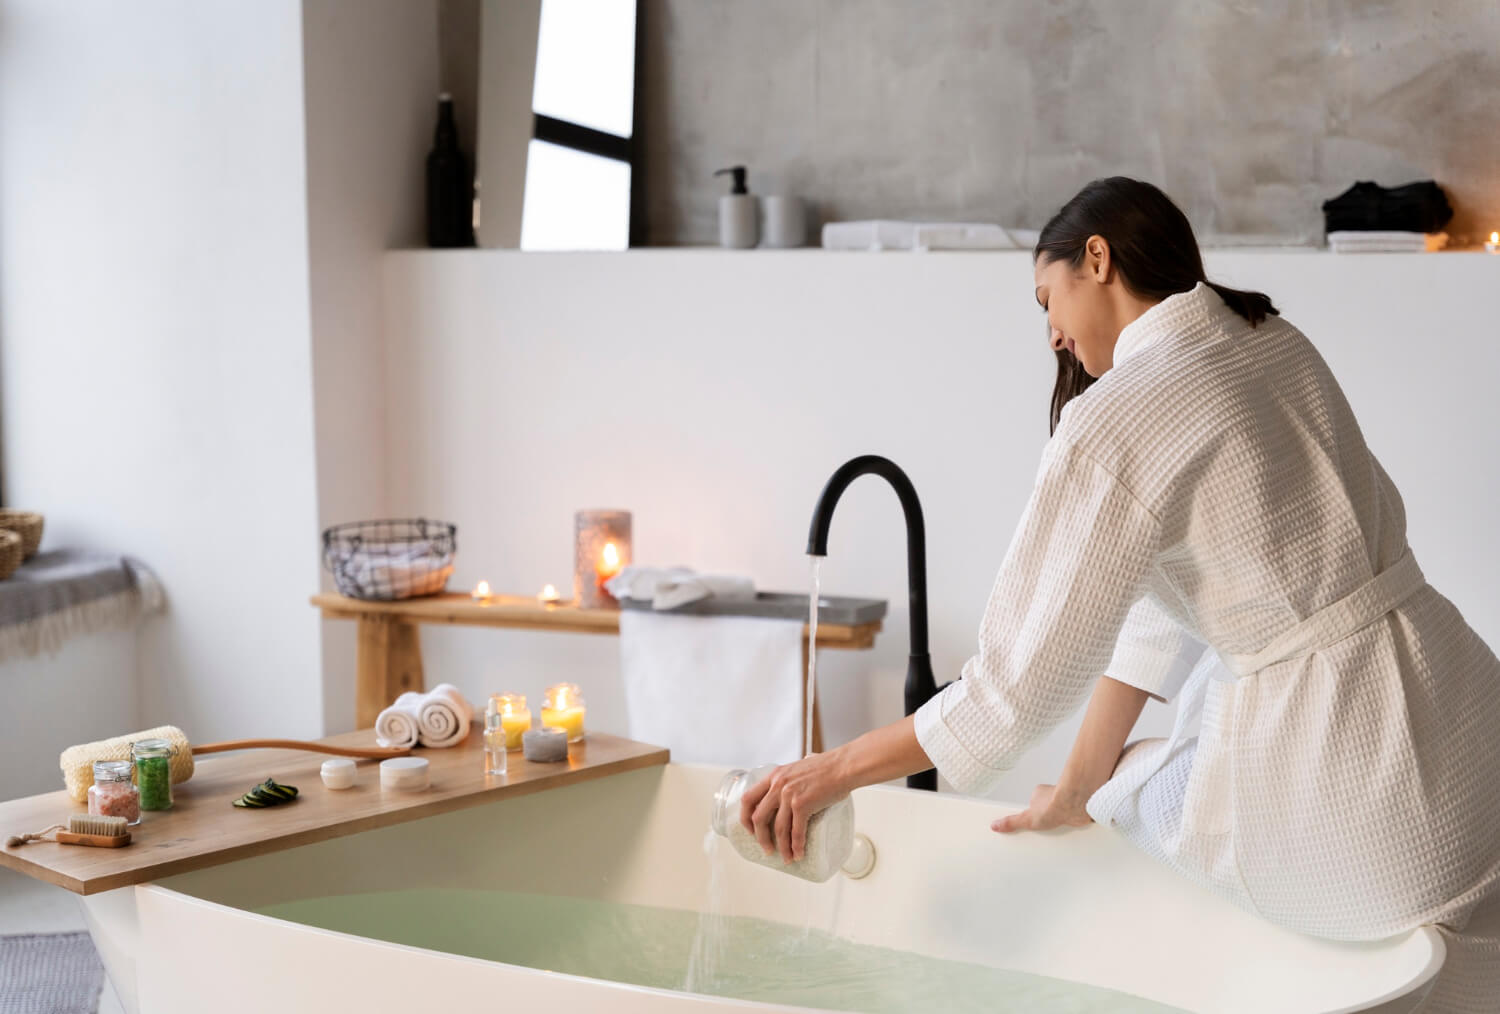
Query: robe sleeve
(1070,575)
(1154,652)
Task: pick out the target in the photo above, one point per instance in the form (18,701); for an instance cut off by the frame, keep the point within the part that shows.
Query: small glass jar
(153,772)
(564,707)
(113,794)
(515,716)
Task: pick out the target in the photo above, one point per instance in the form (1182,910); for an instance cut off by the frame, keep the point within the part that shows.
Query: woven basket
(10,553)
(26,524)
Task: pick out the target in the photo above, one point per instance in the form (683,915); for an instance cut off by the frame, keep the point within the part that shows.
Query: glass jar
(514,716)
(830,831)
(153,772)
(113,794)
(563,707)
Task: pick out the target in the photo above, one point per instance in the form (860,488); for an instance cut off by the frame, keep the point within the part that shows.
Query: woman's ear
(1096,248)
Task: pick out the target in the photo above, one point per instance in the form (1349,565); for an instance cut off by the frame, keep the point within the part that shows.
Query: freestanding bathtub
(1079,905)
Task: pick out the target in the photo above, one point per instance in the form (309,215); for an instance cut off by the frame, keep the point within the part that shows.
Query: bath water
(812,648)
(648,946)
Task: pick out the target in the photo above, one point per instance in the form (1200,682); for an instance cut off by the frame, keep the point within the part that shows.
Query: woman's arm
(776,811)
(1112,713)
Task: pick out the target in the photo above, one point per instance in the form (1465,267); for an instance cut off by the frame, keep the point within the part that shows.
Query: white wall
(712,393)
(154,332)
(371,84)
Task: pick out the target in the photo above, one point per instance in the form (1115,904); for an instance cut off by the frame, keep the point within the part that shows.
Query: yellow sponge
(78,761)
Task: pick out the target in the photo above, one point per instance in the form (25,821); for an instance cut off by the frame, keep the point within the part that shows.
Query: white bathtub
(1080,905)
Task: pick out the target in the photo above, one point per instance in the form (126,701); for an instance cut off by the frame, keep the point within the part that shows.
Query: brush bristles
(109,827)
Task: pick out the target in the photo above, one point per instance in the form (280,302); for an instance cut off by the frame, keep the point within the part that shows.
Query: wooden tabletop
(203,829)
(527,613)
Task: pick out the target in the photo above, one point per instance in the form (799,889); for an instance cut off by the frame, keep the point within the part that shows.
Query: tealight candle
(1493,246)
(548,596)
(563,708)
(514,717)
(545,745)
(481,592)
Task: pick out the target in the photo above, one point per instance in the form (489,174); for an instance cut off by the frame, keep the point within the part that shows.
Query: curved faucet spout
(920,683)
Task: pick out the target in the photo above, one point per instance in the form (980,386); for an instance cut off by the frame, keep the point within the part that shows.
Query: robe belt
(1331,624)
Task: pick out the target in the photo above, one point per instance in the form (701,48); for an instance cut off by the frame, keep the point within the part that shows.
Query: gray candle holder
(594,561)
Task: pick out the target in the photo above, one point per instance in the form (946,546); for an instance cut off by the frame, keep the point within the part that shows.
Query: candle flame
(611,556)
(561,700)
(1495,237)
(482,590)
(548,594)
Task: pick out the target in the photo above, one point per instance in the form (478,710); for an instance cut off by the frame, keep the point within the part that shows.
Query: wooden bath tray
(203,829)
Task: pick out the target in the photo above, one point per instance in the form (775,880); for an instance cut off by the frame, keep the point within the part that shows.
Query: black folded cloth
(1369,207)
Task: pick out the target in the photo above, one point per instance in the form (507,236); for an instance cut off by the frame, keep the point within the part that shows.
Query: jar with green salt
(153,772)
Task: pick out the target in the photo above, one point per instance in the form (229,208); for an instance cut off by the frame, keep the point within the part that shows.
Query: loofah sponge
(78,761)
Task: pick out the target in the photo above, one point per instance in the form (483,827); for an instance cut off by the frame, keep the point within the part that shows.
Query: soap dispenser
(737,213)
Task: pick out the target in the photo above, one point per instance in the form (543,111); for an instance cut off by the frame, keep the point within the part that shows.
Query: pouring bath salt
(830,832)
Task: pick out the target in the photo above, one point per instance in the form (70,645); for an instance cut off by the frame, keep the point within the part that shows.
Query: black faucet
(920,684)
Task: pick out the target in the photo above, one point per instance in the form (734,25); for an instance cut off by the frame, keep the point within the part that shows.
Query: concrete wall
(713,393)
(1249,115)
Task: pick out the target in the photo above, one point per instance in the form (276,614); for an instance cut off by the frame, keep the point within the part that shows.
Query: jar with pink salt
(113,794)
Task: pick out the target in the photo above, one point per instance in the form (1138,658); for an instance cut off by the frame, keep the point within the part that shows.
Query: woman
(1208,522)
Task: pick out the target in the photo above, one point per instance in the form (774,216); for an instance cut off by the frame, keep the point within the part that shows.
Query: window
(580,164)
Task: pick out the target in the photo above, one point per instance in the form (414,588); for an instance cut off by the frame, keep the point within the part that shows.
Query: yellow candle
(514,723)
(569,719)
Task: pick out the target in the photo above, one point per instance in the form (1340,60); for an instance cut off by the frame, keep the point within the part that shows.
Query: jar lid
(150,747)
(404,773)
(338,765)
(113,770)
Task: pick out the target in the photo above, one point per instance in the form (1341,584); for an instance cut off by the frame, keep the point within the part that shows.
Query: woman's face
(1081,315)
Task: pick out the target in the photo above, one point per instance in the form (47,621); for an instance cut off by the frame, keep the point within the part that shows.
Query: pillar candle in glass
(601,549)
(563,707)
(513,715)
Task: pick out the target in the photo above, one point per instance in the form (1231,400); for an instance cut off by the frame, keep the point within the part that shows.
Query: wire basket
(387,560)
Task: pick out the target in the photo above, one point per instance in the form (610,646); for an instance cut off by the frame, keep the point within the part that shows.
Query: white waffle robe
(1208,524)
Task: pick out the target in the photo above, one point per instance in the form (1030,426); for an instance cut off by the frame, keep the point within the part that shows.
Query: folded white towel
(885,234)
(1357,241)
(397,725)
(444,716)
(714,689)
(670,587)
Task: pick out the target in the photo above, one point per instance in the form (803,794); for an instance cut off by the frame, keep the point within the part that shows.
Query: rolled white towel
(443,717)
(397,725)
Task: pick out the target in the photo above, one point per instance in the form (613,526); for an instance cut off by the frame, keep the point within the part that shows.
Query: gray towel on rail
(61,593)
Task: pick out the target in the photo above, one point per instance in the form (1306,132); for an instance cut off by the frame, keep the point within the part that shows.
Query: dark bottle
(450,184)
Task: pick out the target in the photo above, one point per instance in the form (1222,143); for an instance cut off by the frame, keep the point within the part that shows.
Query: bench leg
(388,662)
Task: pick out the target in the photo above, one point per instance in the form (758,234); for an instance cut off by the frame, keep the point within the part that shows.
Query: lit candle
(1493,246)
(514,717)
(481,592)
(563,708)
(609,563)
(548,596)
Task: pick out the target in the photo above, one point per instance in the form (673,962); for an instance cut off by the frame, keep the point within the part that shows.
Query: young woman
(1208,524)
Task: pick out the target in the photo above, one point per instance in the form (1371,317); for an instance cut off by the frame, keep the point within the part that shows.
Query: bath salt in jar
(153,772)
(113,794)
(830,832)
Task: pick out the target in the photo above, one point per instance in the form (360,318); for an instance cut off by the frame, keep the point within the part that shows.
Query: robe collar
(1180,314)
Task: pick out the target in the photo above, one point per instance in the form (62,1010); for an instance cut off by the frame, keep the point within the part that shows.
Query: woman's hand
(1050,807)
(776,811)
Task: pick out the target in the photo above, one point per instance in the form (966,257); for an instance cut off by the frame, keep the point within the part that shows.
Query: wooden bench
(388,660)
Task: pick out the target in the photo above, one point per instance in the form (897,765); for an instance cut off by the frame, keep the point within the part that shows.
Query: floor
(29,906)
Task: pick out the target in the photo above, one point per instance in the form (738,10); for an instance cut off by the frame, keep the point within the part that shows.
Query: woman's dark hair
(1151,244)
